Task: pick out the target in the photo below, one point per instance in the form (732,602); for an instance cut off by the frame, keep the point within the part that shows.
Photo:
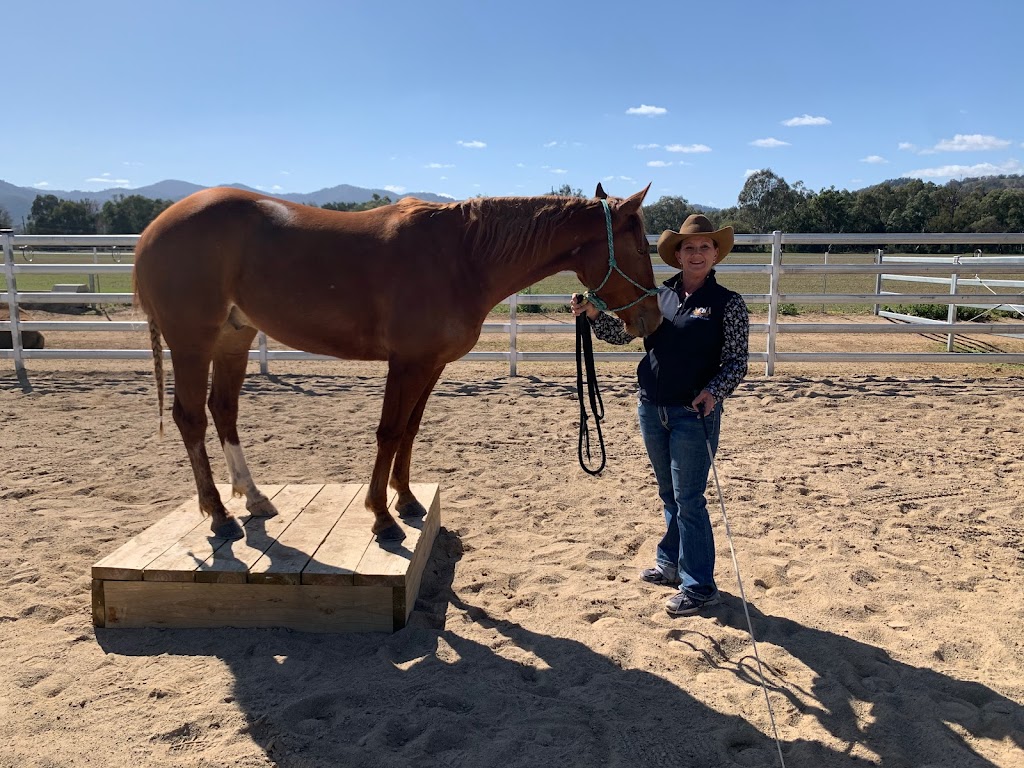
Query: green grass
(109,283)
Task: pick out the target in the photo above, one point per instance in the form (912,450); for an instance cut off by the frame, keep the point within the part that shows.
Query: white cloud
(688,148)
(646,110)
(630,179)
(277,188)
(806,120)
(769,142)
(966,171)
(961,142)
(41,184)
(520,165)
(646,146)
(438,165)
(749,172)
(559,171)
(658,164)
(874,159)
(471,144)
(394,188)
(286,173)
(974,142)
(550,144)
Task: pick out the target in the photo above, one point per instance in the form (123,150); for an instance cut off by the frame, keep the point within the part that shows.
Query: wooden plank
(99,610)
(386,563)
(303,608)
(335,561)
(286,558)
(429,496)
(180,560)
(230,563)
(128,561)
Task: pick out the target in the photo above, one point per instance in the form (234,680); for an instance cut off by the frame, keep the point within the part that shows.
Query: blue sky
(510,98)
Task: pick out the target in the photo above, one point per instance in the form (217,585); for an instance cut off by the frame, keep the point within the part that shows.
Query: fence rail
(886,268)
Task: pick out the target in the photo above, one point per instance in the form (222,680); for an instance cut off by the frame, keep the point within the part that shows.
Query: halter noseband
(591,295)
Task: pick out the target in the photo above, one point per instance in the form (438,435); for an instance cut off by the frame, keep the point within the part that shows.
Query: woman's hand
(704,403)
(578,306)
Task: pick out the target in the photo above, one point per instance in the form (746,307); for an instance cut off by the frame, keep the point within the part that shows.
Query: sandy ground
(877,515)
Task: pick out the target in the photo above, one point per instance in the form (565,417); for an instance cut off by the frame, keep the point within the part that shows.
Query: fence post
(512,353)
(264,360)
(7,236)
(951,313)
(773,301)
(878,278)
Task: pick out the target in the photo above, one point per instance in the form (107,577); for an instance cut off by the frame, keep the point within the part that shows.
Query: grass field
(567,284)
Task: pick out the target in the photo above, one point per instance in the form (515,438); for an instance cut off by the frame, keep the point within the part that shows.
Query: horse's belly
(323,335)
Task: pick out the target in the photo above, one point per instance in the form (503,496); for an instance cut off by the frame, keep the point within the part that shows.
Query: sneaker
(655,576)
(682,604)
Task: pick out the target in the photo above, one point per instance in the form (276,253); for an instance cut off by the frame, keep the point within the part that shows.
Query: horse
(409,283)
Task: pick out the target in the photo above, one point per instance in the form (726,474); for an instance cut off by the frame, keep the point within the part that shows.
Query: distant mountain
(18,200)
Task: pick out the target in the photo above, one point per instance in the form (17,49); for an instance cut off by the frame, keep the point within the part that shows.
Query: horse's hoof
(391,534)
(412,509)
(229,530)
(262,508)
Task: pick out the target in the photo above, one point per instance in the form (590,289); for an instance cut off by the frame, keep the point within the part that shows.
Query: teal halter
(591,295)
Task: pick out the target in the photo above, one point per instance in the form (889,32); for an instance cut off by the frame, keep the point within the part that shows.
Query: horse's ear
(632,203)
(600,194)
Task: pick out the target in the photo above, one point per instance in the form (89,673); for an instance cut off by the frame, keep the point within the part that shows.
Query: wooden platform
(315,567)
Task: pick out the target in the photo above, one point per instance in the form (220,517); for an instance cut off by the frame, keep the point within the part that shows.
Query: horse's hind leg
(191,371)
(408,505)
(230,356)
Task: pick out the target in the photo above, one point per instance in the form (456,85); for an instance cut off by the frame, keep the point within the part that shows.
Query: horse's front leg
(408,505)
(407,384)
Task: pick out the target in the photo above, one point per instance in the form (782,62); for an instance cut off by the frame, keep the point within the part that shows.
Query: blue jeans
(677,447)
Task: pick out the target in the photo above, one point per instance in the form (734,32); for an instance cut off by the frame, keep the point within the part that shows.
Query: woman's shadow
(429,695)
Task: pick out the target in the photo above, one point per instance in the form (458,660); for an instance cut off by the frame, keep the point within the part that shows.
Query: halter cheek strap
(591,295)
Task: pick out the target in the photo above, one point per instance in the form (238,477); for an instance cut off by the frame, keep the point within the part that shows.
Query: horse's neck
(547,250)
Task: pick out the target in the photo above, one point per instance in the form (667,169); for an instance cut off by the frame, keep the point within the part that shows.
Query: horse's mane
(505,228)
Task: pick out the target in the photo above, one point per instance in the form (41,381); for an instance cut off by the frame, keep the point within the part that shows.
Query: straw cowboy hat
(697,224)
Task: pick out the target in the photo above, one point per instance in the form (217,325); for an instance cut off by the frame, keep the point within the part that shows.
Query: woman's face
(697,256)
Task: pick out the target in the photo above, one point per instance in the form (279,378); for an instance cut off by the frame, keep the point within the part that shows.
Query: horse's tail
(158,368)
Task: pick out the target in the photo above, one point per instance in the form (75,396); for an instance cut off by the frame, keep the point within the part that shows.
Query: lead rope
(739,581)
(585,355)
(585,351)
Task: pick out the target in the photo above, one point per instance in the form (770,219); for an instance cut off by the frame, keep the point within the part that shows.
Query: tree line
(768,202)
(765,203)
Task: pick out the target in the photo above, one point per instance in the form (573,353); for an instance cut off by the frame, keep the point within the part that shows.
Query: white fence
(949,273)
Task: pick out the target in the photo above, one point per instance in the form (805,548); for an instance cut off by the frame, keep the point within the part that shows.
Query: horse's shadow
(429,694)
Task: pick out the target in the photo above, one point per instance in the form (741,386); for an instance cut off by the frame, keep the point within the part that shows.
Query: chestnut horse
(410,283)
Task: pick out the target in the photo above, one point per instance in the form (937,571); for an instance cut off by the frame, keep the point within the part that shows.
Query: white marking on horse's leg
(242,483)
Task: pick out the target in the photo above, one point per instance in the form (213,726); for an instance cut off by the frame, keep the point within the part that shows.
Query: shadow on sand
(429,695)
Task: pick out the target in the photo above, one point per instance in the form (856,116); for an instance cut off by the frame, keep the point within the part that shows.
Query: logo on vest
(704,312)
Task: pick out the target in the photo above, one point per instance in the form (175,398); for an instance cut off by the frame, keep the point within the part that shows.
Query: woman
(695,359)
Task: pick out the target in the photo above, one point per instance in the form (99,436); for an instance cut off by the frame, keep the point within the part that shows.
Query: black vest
(685,353)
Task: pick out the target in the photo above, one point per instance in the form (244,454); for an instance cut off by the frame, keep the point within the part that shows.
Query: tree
(52,216)
(668,213)
(130,215)
(566,191)
(766,199)
(6,222)
(375,202)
